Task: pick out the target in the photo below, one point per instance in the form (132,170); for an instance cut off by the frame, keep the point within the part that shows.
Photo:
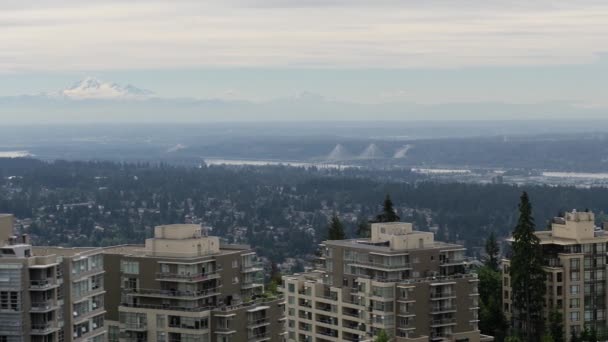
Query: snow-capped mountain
(91,88)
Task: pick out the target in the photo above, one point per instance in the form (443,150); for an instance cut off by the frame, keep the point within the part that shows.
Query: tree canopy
(527,275)
(388,213)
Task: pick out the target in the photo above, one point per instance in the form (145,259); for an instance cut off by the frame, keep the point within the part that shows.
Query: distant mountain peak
(93,88)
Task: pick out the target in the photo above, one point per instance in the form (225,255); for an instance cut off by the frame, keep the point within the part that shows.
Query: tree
(556,326)
(527,275)
(363,229)
(388,213)
(492,320)
(381,337)
(573,336)
(492,252)
(335,229)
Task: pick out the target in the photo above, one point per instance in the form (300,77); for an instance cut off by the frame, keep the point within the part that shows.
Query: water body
(582,175)
(440,171)
(243,162)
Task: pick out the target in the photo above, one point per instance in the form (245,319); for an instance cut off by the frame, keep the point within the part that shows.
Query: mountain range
(94,101)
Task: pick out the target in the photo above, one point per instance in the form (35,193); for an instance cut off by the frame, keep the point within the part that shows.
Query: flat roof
(140,251)
(361,244)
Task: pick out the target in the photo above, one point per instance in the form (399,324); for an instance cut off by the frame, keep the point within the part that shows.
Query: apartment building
(574,254)
(42,290)
(184,286)
(399,280)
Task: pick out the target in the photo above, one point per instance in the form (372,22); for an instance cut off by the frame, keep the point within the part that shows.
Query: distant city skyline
(541,53)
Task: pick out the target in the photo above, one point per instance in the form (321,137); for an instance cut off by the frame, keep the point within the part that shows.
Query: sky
(429,52)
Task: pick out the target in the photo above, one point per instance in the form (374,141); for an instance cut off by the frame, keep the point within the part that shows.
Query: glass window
(574,289)
(129,267)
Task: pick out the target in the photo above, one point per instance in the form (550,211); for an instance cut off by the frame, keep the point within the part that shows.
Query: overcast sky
(360,51)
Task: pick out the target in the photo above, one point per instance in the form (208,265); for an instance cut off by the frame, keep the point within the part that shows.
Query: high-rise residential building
(574,255)
(400,280)
(184,286)
(49,294)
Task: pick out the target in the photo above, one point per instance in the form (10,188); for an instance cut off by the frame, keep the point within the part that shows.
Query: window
(575,303)
(10,300)
(575,264)
(559,277)
(129,267)
(588,315)
(161,336)
(291,288)
(574,289)
(575,276)
(235,263)
(161,321)
(574,316)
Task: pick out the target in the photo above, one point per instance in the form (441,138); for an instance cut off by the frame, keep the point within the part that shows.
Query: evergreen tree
(388,213)
(335,229)
(363,229)
(492,320)
(527,275)
(492,252)
(381,337)
(556,326)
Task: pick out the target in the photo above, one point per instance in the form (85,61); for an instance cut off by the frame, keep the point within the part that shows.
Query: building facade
(49,294)
(183,286)
(400,281)
(574,254)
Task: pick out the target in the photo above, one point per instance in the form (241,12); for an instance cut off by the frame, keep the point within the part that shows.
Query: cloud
(68,35)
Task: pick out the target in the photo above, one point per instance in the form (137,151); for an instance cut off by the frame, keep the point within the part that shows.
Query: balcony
(443,322)
(137,326)
(443,309)
(44,306)
(178,277)
(381,266)
(83,274)
(43,328)
(259,337)
(251,324)
(443,295)
(167,307)
(252,267)
(186,295)
(43,284)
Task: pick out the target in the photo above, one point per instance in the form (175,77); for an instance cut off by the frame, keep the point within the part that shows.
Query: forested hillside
(283,211)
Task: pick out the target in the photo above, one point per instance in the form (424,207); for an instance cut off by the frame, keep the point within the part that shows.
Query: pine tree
(363,229)
(527,275)
(335,229)
(492,251)
(388,212)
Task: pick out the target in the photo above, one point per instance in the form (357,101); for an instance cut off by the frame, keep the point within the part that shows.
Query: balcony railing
(44,306)
(43,328)
(42,284)
(439,295)
(173,294)
(258,337)
(444,321)
(403,266)
(258,322)
(440,309)
(168,307)
(167,276)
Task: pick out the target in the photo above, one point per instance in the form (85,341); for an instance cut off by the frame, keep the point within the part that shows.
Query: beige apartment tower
(49,294)
(574,253)
(399,280)
(184,286)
